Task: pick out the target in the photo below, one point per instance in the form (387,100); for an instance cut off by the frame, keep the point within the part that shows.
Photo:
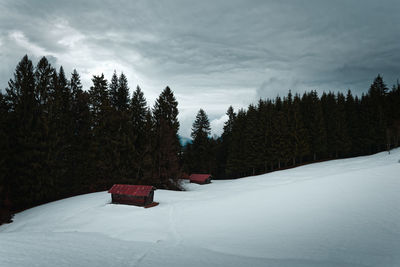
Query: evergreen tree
(82,136)
(254,138)
(166,144)
(75,84)
(377,107)
(266,115)
(43,75)
(235,166)
(316,132)
(25,161)
(353,124)
(393,117)
(280,132)
(141,121)
(298,133)
(201,145)
(343,143)
(138,111)
(122,137)
(60,134)
(114,86)
(123,93)
(226,139)
(228,125)
(148,162)
(101,153)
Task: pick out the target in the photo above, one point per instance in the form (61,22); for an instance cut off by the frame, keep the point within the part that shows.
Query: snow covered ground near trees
(336,213)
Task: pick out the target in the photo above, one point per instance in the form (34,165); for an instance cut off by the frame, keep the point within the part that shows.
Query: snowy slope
(336,213)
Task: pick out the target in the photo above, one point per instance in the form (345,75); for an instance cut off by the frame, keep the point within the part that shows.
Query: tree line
(57,140)
(296,129)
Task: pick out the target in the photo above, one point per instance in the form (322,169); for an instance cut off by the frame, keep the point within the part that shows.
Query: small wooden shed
(138,195)
(200,178)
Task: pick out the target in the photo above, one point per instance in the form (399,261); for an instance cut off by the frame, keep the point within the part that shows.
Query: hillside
(336,213)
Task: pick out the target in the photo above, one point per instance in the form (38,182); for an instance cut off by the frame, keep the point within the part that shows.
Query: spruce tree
(343,143)
(141,121)
(298,133)
(235,166)
(148,162)
(280,133)
(166,144)
(114,86)
(43,75)
(226,140)
(101,153)
(254,138)
(377,112)
(82,136)
(314,122)
(25,161)
(123,93)
(201,145)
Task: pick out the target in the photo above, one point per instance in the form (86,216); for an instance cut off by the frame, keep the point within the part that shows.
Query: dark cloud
(212,53)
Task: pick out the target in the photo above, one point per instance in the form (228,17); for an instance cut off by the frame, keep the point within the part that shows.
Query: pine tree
(280,132)
(254,138)
(166,144)
(101,153)
(148,162)
(393,117)
(329,110)
(266,114)
(114,86)
(235,166)
(60,133)
(314,122)
(140,119)
(123,93)
(138,111)
(343,143)
(228,125)
(377,112)
(75,84)
(82,136)
(351,110)
(226,141)
(43,75)
(25,161)
(298,133)
(201,145)
(122,137)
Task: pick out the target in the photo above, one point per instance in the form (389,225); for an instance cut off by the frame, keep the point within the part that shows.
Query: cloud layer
(211,53)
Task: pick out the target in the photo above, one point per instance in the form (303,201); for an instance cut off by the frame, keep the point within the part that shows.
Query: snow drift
(336,213)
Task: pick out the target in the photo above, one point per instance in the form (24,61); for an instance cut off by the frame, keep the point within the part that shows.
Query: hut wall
(130,200)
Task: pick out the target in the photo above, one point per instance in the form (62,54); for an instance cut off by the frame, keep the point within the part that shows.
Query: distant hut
(138,195)
(200,178)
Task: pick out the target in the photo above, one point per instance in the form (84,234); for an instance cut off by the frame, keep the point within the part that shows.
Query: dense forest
(58,140)
(293,130)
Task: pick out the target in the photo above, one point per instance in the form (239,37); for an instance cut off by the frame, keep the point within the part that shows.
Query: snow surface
(336,213)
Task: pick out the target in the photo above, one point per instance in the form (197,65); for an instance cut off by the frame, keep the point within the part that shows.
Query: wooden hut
(200,178)
(138,195)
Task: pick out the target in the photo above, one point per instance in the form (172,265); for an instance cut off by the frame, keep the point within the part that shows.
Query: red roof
(133,190)
(199,177)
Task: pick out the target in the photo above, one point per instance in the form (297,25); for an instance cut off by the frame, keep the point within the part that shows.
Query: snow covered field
(336,213)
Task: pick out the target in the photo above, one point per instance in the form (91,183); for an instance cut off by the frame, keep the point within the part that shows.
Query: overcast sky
(211,53)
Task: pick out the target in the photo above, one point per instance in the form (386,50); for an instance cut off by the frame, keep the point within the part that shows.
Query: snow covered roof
(199,177)
(133,190)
